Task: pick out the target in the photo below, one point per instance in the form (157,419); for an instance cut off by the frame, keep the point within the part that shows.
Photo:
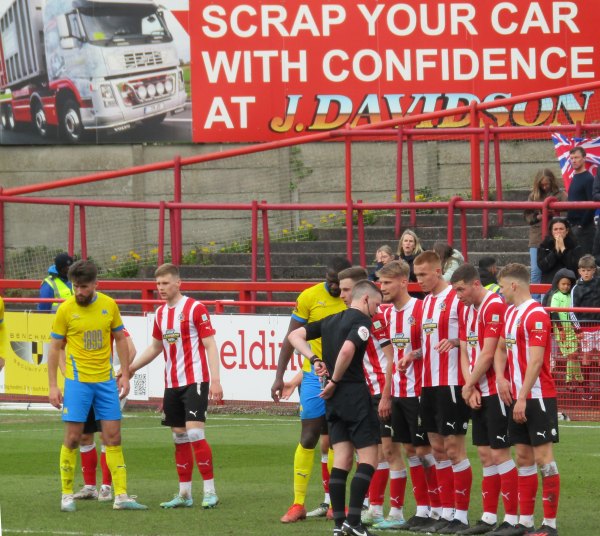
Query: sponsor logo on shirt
(171,336)
(399,340)
(472,339)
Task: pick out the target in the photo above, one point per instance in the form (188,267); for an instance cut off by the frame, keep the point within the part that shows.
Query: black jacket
(587,294)
(550,261)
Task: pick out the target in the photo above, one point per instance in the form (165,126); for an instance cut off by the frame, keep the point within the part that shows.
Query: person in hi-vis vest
(56,284)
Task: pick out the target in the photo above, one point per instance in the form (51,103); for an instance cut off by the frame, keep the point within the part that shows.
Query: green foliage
(243,246)
(297,167)
(253,457)
(36,259)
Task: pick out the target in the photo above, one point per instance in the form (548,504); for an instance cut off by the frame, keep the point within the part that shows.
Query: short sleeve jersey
(315,303)
(88,332)
(181,329)
(526,326)
(349,325)
(477,324)
(440,321)
(404,326)
(375,361)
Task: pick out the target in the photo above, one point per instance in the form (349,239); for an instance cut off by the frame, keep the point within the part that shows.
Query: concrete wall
(443,166)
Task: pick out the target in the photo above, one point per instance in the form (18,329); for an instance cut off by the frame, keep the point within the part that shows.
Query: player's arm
(147,356)
(534,366)
(54,395)
(445,345)
(467,389)
(215,391)
(291,386)
(285,354)
(62,360)
(123,353)
(385,404)
(342,363)
(502,383)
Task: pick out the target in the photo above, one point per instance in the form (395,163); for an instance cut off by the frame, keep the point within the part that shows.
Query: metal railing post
(177,253)
(399,175)
(266,244)
(361,234)
(349,207)
(82,232)
(71,246)
(475,156)
(161,234)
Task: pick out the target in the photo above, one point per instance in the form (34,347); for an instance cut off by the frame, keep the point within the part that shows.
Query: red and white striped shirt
(440,321)
(375,361)
(475,325)
(404,327)
(525,326)
(181,329)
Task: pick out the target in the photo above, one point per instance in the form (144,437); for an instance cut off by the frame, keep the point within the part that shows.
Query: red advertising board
(263,71)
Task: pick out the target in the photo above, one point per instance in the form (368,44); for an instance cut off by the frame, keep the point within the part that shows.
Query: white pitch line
(53,532)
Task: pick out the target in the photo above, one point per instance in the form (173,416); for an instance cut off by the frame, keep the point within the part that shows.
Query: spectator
(57,284)
(586,293)
(581,189)
(409,246)
(451,259)
(487,274)
(562,324)
(383,255)
(545,185)
(558,250)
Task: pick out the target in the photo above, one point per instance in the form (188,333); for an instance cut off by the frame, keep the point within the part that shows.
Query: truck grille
(142,59)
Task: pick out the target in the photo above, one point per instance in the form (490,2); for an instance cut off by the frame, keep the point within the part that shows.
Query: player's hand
(474,400)
(504,390)
(467,391)
(123,386)
(287,391)
(445,345)
(328,391)
(405,362)
(277,390)
(55,397)
(519,411)
(385,407)
(215,391)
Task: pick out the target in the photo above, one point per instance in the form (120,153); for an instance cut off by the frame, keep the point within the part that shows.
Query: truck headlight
(151,90)
(108,97)
(169,85)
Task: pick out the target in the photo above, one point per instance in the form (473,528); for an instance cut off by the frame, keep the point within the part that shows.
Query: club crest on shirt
(518,322)
(181,318)
(171,336)
(442,306)
(412,320)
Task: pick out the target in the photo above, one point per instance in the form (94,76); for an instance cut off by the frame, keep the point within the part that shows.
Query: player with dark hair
(87,321)
(184,335)
(353,422)
(313,303)
(533,417)
(480,327)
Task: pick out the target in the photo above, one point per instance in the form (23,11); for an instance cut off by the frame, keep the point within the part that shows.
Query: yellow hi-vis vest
(61,290)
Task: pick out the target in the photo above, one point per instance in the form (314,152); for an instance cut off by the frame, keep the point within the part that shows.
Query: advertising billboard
(256,71)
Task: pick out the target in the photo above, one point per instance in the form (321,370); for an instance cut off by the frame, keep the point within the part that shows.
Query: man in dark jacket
(581,189)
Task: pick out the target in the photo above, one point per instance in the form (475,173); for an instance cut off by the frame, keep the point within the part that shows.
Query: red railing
(397,129)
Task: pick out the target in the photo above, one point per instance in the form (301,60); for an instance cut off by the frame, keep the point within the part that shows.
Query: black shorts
(385,427)
(443,410)
(92,426)
(541,426)
(405,422)
(183,404)
(351,417)
(490,423)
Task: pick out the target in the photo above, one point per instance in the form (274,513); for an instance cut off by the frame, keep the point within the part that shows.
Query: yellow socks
(116,464)
(303,464)
(68,459)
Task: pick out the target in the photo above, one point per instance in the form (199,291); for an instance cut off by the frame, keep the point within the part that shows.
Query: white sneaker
(67,504)
(128,502)
(105,494)
(86,493)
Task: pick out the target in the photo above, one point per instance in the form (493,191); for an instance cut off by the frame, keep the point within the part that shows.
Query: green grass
(252,456)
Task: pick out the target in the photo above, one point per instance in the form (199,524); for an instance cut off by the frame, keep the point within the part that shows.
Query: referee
(353,423)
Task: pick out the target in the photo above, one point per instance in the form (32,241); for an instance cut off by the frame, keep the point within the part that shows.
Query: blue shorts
(311,406)
(80,397)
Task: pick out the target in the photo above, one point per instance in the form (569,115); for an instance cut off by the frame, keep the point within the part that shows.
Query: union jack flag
(562,146)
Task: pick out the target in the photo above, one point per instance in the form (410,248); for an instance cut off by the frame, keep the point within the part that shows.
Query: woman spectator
(451,258)
(383,255)
(558,250)
(409,246)
(545,185)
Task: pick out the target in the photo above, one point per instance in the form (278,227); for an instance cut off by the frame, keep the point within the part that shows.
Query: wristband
(314,358)
(335,382)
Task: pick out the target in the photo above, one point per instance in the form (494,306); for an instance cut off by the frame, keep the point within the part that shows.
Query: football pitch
(253,474)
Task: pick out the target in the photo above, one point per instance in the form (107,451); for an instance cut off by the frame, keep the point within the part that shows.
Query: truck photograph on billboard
(239,72)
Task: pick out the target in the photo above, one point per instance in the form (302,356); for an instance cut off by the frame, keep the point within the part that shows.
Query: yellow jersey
(88,332)
(315,303)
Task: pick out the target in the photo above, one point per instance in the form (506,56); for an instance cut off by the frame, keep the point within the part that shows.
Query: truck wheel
(154,121)
(70,122)
(39,120)
(7,117)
